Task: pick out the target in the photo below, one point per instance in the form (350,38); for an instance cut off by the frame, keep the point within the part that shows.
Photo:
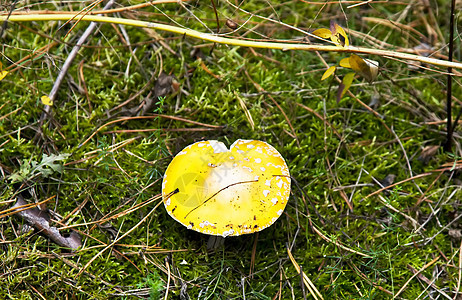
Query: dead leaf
(164,86)
(231,24)
(375,101)
(456,234)
(40,220)
(428,153)
(388,180)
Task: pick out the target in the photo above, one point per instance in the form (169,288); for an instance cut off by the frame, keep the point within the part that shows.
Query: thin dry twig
(168,279)
(41,221)
(118,239)
(154,116)
(306,280)
(25,206)
(398,183)
(235,42)
(35,54)
(338,244)
(415,274)
(67,64)
(431,283)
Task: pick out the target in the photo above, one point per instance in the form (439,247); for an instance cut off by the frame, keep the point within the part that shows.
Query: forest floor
(374,211)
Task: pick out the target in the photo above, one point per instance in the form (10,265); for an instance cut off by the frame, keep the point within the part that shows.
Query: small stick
(41,221)
(450,129)
(415,274)
(460,272)
(232,41)
(67,64)
(168,278)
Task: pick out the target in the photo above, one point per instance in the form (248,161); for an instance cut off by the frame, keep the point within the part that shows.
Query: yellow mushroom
(227,192)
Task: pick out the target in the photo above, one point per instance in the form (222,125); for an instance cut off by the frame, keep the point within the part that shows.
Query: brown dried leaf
(40,220)
(388,180)
(231,24)
(164,86)
(456,234)
(428,153)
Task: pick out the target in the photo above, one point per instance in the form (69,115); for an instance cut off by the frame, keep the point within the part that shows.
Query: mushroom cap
(227,192)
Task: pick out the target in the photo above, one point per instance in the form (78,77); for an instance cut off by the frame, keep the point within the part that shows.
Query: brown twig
(54,90)
(149,117)
(398,183)
(415,274)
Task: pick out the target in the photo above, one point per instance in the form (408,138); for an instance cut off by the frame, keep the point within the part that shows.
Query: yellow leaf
(345,62)
(46,100)
(323,33)
(328,72)
(345,85)
(339,35)
(347,80)
(358,64)
(342,32)
(366,68)
(3,74)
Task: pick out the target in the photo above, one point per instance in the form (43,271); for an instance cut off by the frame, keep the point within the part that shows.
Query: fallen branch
(230,41)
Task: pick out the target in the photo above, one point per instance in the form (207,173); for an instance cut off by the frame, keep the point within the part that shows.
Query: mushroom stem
(215,242)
